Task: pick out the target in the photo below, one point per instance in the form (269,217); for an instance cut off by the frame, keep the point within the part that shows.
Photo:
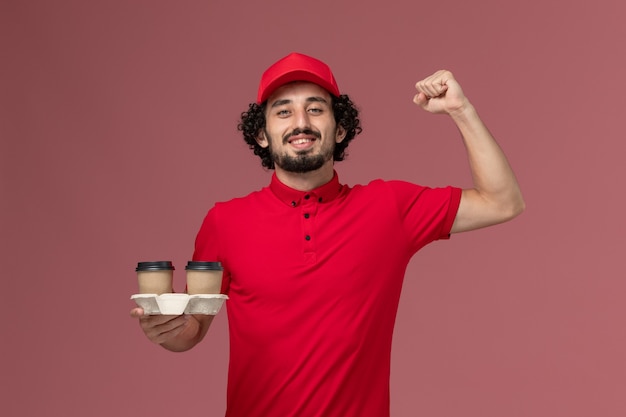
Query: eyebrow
(313,99)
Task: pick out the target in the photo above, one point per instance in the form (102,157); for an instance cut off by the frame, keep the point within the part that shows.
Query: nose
(302,119)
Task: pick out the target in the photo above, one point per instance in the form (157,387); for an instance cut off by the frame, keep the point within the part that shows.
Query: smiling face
(300,128)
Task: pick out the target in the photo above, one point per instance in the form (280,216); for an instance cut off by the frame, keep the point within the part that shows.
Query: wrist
(463,113)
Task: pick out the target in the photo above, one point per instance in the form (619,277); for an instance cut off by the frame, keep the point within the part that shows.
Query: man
(314,268)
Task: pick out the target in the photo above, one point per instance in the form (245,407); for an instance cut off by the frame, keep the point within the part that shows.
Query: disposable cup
(204,277)
(155,277)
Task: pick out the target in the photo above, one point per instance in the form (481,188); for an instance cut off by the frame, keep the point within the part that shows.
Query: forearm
(493,178)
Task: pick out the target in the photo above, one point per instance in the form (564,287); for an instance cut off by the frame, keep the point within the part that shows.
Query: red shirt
(314,280)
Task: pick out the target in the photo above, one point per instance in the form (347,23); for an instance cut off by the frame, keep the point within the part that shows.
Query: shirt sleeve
(205,249)
(426,213)
(207,245)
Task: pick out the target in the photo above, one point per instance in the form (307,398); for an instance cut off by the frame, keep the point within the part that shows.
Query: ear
(340,134)
(261,139)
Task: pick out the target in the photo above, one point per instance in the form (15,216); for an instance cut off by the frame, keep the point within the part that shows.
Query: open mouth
(301,141)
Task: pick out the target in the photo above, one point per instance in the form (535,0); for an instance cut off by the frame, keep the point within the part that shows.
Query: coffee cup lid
(155,266)
(204,266)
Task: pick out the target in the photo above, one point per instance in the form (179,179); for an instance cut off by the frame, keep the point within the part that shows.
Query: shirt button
(307,237)
(306,215)
(319,199)
(293,204)
(306,197)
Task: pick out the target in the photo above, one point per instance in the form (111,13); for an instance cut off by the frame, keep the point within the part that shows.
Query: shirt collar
(323,194)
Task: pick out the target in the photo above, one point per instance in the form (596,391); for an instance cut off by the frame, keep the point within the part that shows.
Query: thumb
(137,312)
(420,99)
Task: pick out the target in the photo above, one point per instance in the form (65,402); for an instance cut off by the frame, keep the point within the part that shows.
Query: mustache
(299,131)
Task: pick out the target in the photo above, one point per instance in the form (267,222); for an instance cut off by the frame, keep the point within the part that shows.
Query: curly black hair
(345,112)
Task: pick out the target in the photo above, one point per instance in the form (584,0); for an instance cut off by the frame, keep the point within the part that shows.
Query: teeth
(301,141)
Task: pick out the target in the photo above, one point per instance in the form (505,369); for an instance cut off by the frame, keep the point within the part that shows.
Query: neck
(306,181)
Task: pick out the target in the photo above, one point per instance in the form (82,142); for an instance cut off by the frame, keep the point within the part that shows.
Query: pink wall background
(118,132)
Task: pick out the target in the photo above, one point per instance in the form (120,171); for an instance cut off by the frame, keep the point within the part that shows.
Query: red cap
(296,67)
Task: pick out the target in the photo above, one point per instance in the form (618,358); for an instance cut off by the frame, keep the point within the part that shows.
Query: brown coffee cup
(204,277)
(155,277)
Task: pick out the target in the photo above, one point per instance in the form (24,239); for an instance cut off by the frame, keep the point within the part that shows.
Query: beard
(303,161)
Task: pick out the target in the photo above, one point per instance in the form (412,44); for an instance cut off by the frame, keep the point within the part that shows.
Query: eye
(316,110)
(282,113)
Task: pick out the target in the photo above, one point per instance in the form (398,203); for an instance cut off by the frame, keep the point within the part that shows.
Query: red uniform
(314,281)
